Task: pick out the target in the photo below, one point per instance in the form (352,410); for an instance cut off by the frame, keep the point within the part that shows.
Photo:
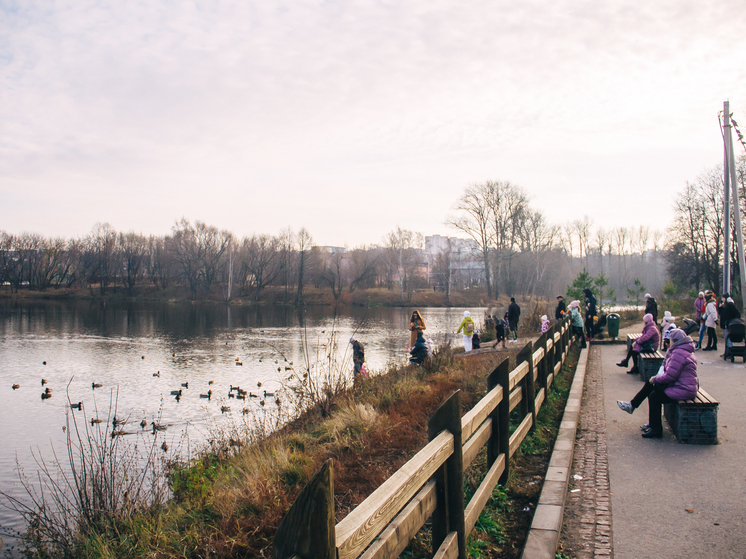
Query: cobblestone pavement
(586,530)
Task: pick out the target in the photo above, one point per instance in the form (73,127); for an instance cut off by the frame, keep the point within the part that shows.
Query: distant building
(466,263)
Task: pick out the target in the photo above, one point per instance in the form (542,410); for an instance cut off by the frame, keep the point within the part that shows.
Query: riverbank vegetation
(229,500)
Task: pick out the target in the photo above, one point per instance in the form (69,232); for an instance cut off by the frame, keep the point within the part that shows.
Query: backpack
(469,327)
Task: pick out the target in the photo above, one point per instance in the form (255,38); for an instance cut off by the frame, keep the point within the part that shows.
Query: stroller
(690,326)
(735,341)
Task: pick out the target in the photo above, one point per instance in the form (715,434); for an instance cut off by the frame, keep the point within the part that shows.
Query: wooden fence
(431,483)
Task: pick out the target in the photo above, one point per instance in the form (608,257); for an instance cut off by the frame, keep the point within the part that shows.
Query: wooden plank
(517,374)
(395,538)
(471,421)
(538,355)
(539,400)
(483,494)
(449,548)
(550,344)
(519,434)
(710,398)
(550,378)
(557,337)
(472,447)
(516,397)
(367,520)
(557,367)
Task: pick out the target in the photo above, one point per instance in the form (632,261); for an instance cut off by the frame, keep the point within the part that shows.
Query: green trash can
(612,325)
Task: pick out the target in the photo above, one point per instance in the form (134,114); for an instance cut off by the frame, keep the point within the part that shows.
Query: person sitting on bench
(677,382)
(647,342)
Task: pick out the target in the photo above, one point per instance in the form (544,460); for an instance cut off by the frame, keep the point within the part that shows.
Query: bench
(631,339)
(694,421)
(649,362)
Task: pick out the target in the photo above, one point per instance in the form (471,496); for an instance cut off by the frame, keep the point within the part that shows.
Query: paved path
(652,483)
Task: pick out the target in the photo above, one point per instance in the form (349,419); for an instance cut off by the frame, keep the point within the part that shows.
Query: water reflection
(123,345)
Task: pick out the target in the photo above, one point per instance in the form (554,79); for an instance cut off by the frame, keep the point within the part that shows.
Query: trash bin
(612,325)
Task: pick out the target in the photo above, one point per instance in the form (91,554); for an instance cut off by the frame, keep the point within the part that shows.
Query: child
(475,340)
(667,324)
(544,324)
(499,332)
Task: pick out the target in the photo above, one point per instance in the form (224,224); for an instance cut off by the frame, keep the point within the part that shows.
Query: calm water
(121,346)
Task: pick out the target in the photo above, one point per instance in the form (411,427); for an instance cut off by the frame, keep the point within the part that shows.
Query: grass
(229,500)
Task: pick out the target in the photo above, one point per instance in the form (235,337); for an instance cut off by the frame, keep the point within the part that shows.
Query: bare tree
(260,263)
(132,247)
(401,254)
(303,245)
(363,267)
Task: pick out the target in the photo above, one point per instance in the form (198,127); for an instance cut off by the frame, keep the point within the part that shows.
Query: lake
(72,345)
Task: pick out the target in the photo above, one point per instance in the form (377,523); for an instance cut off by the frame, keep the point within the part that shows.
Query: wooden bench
(631,339)
(649,362)
(694,421)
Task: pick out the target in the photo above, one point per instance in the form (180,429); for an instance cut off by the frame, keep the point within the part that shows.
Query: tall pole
(736,206)
(726,199)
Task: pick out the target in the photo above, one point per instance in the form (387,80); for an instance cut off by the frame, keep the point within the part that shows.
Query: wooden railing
(431,484)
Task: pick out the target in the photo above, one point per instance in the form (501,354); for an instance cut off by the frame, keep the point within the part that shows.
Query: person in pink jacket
(677,382)
(647,342)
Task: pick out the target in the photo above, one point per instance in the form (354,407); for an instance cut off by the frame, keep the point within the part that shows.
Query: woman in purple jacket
(677,382)
(647,342)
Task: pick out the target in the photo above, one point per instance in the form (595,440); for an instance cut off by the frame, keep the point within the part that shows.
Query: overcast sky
(352,118)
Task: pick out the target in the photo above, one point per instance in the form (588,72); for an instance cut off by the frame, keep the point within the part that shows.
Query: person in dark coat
(419,351)
(651,307)
(499,331)
(677,382)
(514,313)
(728,312)
(559,312)
(358,356)
(590,313)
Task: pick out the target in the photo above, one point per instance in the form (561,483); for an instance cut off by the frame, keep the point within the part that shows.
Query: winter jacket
(679,373)
(652,308)
(699,307)
(358,353)
(649,332)
(712,314)
(729,312)
(544,326)
(590,304)
(561,308)
(514,312)
(577,320)
(462,326)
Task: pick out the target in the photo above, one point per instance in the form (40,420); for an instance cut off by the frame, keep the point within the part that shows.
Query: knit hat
(466,313)
(575,304)
(352,340)
(701,293)
(667,317)
(648,296)
(729,299)
(679,337)
(543,317)
(647,318)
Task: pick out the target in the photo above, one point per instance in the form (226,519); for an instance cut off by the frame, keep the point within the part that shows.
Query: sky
(353,118)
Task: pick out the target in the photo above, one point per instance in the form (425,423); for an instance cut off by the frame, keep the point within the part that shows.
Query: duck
(78,406)
(288,368)
(158,374)
(259,384)
(241,397)
(279,369)
(210,382)
(95,385)
(231,395)
(45,395)
(239,363)
(178,397)
(47,390)
(43,381)
(143,357)
(245,411)
(43,362)
(16,386)
(224,409)
(261,402)
(266,394)
(185,384)
(278,402)
(116,422)
(157,427)
(96,420)
(143,424)
(118,433)
(208,395)
(164,446)
(176,392)
(252,395)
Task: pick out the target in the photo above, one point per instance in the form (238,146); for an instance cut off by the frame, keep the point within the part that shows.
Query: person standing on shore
(416,324)
(699,309)
(467,326)
(514,313)
(559,312)
(358,356)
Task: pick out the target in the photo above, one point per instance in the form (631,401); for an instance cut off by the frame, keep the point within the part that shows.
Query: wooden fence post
(308,529)
(449,510)
(499,442)
(542,368)
(528,404)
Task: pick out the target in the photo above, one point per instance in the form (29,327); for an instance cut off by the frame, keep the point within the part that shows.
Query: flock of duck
(235,392)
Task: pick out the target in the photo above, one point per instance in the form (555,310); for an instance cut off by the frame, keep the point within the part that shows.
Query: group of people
(677,379)
(583,324)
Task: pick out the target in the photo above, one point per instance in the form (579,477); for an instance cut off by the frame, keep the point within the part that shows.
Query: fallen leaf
(689,510)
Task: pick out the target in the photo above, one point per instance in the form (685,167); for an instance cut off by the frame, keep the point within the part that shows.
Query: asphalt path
(672,500)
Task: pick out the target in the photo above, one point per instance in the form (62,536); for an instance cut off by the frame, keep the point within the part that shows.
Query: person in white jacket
(711,321)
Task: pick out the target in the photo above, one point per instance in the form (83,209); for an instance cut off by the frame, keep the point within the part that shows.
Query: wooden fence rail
(431,484)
